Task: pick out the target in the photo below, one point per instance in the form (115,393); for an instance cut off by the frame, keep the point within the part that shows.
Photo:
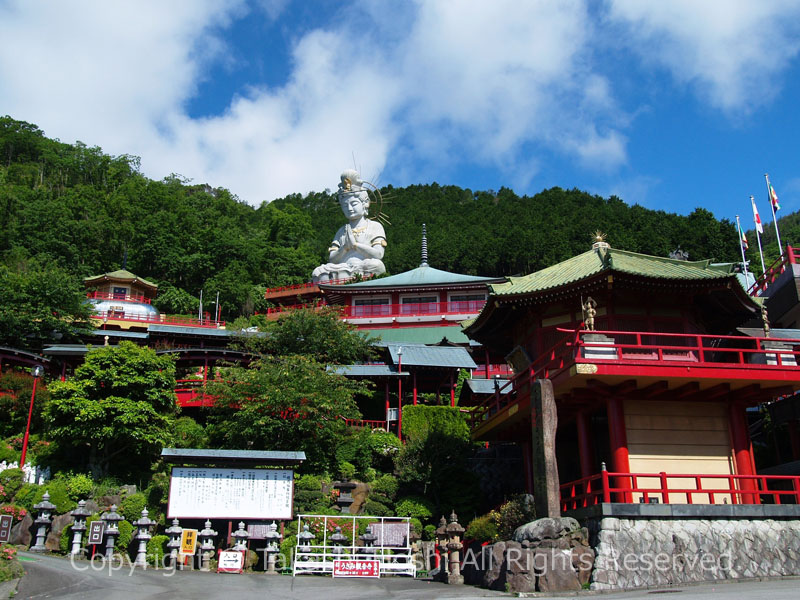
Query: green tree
(40,304)
(116,413)
(285,403)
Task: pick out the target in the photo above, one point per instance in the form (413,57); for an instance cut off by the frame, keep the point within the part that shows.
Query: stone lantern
(174,532)
(112,517)
(304,540)
(441,545)
(454,535)
(273,547)
(241,536)
(143,525)
(206,537)
(338,541)
(45,509)
(369,541)
(78,526)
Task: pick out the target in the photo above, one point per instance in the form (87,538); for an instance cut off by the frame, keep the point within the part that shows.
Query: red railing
(113,296)
(414,309)
(684,488)
(635,348)
(366,424)
(288,307)
(158,319)
(790,257)
(308,285)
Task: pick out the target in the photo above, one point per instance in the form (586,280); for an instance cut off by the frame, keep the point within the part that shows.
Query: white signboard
(208,493)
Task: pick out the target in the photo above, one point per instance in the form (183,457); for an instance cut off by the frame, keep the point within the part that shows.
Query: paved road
(51,577)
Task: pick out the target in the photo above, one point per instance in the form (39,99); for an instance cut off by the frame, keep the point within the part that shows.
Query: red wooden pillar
(386,394)
(486,358)
(584,444)
(63,371)
(205,371)
(742,451)
(414,375)
(794,438)
(619,447)
(452,390)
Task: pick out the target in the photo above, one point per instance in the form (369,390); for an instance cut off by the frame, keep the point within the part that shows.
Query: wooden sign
(230,561)
(96,531)
(5,528)
(188,541)
(392,534)
(356,568)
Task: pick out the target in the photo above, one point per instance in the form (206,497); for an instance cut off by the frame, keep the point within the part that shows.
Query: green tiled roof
(122,274)
(419,335)
(597,261)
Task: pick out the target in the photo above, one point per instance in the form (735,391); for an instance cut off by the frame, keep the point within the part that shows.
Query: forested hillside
(75,208)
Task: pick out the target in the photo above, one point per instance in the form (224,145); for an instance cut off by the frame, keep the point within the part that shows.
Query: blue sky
(672,105)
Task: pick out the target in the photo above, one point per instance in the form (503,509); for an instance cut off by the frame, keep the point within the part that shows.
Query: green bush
(414,506)
(11,480)
(65,541)
(108,486)
(354,448)
(309,483)
(376,509)
(157,491)
(386,485)
(287,550)
(369,475)
(429,532)
(57,488)
(420,420)
(416,524)
(482,529)
(10,567)
(188,433)
(156,548)
(517,511)
(125,537)
(79,486)
(132,506)
(307,501)
(384,447)
(26,496)
(383,499)
(347,470)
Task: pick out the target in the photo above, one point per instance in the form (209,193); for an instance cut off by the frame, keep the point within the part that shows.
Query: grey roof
(204,331)
(66,350)
(431,356)
(120,334)
(791,334)
(368,371)
(485,386)
(423,276)
(202,456)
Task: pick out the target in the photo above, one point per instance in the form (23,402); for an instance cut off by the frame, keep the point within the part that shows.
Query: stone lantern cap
(112,516)
(368,537)
(174,529)
(272,532)
(207,532)
(454,528)
(306,535)
(45,504)
(81,511)
(441,531)
(241,532)
(144,521)
(337,537)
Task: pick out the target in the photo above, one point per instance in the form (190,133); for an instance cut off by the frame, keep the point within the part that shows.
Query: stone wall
(640,550)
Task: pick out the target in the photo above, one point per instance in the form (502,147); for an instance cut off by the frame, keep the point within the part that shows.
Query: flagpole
(758,235)
(741,247)
(774,218)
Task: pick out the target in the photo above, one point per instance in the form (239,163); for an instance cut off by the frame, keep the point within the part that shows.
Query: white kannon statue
(357,248)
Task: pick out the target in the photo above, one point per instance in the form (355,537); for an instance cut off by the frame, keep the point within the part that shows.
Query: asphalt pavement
(57,577)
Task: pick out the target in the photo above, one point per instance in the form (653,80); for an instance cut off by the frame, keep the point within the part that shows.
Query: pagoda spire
(424,262)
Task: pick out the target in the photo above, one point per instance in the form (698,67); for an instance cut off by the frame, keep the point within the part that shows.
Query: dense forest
(73,207)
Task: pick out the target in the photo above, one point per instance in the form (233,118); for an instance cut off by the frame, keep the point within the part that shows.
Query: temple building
(650,376)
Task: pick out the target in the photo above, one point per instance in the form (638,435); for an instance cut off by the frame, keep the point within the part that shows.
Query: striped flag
(756,218)
(742,237)
(773,197)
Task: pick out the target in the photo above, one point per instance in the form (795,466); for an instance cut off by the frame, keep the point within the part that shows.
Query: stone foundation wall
(651,551)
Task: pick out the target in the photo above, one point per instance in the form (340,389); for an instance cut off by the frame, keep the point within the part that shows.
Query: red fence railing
(113,315)
(682,488)
(636,348)
(308,285)
(790,257)
(469,307)
(113,296)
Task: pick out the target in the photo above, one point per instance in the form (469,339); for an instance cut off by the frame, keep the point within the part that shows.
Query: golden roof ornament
(599,239)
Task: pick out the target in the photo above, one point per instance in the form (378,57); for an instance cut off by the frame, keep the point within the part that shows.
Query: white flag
(756,218)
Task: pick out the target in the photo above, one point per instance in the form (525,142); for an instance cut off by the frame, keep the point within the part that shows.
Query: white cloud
(730,50)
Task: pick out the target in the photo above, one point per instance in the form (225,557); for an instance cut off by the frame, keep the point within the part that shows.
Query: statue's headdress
(351,184)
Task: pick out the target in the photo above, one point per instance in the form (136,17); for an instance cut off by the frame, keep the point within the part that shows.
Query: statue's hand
(350,238)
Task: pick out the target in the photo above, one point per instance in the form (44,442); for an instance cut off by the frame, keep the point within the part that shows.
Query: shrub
(10,567)
(517,511)
(482,529)
(65,541)
(347,470)
(156,549)
(26,495)
(386,485)
(157,490)
(57,488)
(429,532)
(309,501)
(79,486)
(188,433)
(133,505)
(17,512)
(384,447)
(309,482)
(376,509)
(11,481)
(125,537)
(417,525)
(383,499)
(414,506)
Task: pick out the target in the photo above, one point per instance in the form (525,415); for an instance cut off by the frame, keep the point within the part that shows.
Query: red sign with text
(356,568)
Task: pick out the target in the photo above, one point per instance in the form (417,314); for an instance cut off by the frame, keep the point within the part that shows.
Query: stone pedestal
(79,526)
(273,547)
(598,346)
(112,518)
(173,545)
(206,538)
(143,536)
(241,536)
